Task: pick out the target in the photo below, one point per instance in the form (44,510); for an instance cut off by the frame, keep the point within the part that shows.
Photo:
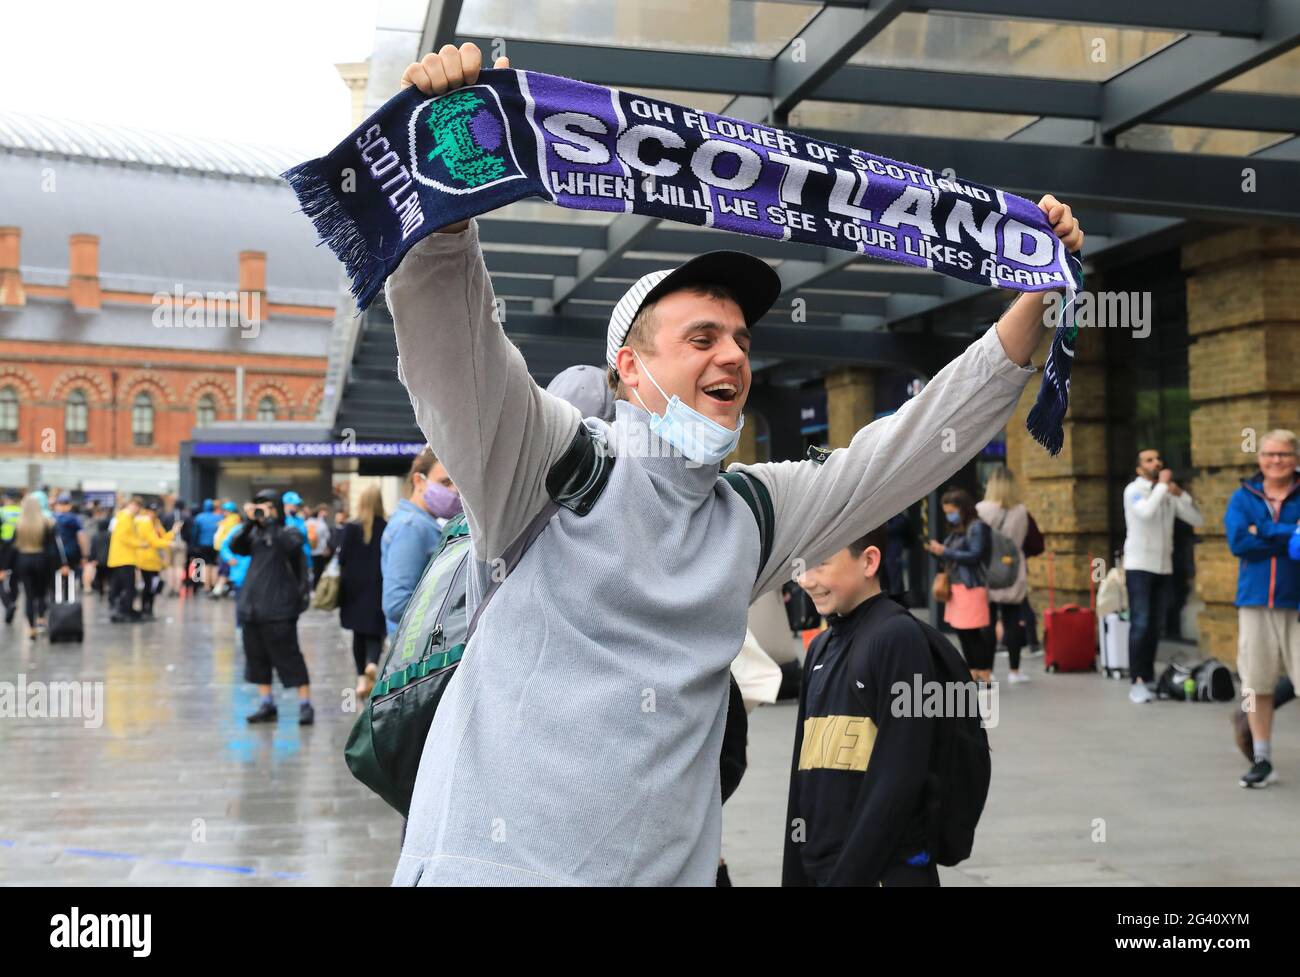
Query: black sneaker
(266,713)
(9,614)
(1259,775)
(1241,735)
(306,714)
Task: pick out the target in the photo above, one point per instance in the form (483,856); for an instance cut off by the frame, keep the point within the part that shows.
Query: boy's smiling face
(842,581)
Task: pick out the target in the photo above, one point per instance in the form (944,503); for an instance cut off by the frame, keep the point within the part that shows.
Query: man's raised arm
(897,460)
(495,430)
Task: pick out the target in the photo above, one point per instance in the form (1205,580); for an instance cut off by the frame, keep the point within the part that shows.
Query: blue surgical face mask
(953,517)
(699,438)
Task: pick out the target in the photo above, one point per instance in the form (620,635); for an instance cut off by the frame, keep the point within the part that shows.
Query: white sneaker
(1017,678)
(1139,693)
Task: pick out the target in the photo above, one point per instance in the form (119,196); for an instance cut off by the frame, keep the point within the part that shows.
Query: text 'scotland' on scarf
(421,163)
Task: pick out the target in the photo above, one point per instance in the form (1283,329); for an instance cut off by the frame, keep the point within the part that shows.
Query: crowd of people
(265,555)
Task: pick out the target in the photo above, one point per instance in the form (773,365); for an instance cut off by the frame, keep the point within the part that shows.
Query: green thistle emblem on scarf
(465,135)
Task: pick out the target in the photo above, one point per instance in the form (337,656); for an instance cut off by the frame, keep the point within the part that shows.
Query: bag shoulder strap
(759,500)
(580,475)
(574,482)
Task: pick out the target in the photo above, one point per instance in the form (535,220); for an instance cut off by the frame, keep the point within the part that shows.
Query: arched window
(74,417)
(266,409)
(142,420)
(206,412)
(8,414)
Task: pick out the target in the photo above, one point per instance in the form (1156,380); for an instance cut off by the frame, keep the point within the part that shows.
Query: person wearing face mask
(966,552)
(414,532)
(588,711)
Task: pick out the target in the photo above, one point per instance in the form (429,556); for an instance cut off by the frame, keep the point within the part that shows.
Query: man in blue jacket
(1261,522)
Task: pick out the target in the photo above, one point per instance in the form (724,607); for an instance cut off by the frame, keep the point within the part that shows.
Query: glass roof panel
(756,28)
(850,117)
(1280,76)
(984,45)
(1194,139)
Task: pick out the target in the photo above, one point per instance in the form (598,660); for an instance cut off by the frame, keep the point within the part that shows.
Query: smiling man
(578,742)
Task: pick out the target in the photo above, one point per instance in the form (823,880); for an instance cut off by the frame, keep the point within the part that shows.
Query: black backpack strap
(759,500)
(576,480)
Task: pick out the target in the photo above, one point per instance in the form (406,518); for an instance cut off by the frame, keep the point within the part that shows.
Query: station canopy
(1144,115)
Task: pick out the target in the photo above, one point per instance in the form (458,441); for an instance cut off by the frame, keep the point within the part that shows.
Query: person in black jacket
(856,813)
(274,593)
(361,587)
(35,557)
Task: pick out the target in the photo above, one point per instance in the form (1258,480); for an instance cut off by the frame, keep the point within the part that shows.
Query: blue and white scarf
(421,163)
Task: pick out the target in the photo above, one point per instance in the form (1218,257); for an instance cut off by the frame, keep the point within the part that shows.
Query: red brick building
(148,286)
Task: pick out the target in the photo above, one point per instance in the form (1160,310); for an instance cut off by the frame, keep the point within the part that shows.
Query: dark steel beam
(823,46)
(1183,185)
(439,25)
(530,262)
(1240,18)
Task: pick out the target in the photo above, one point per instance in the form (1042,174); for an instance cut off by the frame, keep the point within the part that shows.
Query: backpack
(1003,567)
(960,766)
(1212,681)
(800,611)
(384,748)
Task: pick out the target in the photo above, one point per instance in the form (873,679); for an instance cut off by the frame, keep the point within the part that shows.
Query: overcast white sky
(253,71)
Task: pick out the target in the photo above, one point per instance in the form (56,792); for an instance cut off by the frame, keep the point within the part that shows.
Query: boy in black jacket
(857,788)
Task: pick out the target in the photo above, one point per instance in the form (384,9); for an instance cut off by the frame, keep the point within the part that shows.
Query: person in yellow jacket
(153,554)
(124,546)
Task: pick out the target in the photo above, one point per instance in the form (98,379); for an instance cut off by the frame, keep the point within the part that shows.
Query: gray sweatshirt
(578,742)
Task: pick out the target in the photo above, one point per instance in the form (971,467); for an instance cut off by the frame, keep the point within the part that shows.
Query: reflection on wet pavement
(174,787)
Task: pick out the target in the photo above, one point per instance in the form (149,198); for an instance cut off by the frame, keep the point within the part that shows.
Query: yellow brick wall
(1243,313)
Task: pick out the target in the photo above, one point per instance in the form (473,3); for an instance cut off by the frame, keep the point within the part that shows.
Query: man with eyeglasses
(1261,520)
(1152,502)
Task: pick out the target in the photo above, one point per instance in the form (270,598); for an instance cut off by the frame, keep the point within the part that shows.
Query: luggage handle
(70,588)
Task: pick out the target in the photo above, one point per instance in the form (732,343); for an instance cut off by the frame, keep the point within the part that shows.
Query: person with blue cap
(292,502)
(205,532)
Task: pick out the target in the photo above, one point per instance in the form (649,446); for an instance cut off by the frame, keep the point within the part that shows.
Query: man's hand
(1166,475)
(438,74)
(1064,224)
(1020,328)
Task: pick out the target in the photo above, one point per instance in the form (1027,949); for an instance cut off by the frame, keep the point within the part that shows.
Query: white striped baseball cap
(754,283)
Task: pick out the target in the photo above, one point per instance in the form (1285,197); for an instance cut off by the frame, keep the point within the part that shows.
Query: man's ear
(628,371)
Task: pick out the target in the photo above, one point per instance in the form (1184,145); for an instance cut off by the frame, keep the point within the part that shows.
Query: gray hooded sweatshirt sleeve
(578,742)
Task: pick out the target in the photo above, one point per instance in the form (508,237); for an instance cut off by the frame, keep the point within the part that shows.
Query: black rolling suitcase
(65,612)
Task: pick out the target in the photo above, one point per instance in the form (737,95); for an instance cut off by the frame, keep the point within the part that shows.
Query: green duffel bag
(383,750)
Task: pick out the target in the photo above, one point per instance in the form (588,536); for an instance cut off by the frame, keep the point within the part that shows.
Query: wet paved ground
(175,789)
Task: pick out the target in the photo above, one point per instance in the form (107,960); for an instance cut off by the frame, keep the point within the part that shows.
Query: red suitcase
(1069,632)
